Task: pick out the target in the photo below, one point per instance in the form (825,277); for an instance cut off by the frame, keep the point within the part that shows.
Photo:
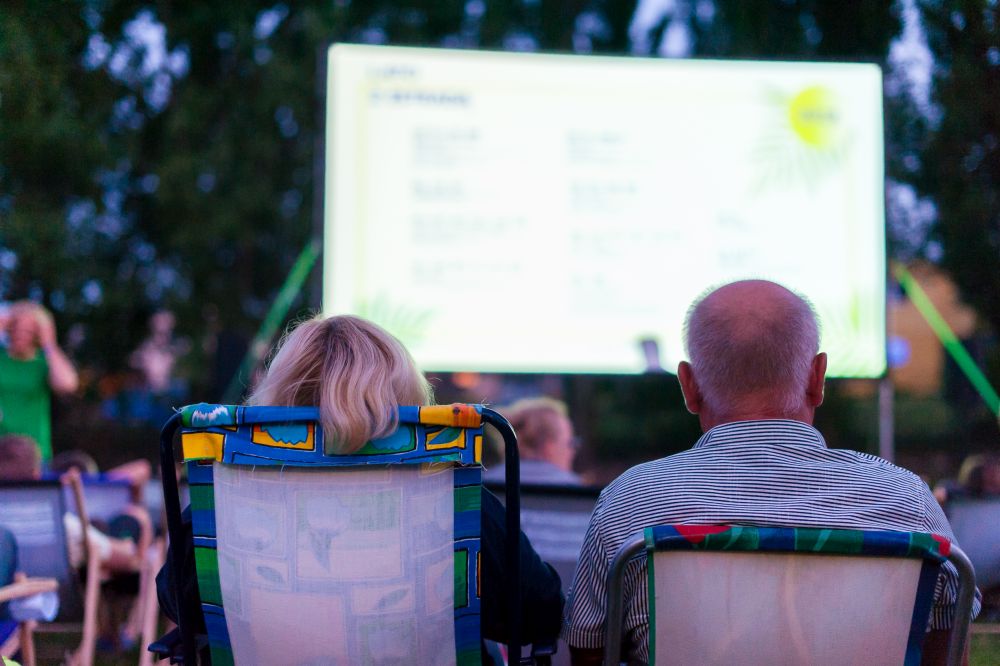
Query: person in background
(978,477)
(546,443)
(136,473)
(32,367)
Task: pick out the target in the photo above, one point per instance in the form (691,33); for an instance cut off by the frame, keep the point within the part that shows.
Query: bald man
(754,379)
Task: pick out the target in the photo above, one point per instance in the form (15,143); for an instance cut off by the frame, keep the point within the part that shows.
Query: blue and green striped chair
(304,557)
(727,594)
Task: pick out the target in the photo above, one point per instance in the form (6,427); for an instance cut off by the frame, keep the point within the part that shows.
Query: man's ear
(689,387)
(817,377)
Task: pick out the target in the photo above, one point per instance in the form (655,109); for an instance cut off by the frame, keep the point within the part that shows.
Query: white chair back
(337,566)
(781,608)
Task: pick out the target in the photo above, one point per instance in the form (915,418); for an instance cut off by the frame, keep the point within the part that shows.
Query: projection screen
(515,212)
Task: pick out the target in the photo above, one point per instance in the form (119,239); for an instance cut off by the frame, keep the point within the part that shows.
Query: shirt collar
(765,431)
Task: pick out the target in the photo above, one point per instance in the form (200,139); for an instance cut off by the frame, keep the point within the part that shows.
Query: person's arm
(62,375)
(137,473)
(181,580)
(541,589)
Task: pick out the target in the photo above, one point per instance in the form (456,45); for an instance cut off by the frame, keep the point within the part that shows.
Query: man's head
(753,355)
(20,459)
(544,431)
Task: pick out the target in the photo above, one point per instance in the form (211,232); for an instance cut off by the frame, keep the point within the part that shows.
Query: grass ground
(985,651)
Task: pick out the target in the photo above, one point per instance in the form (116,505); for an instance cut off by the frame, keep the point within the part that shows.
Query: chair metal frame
(189,644)
(644,542)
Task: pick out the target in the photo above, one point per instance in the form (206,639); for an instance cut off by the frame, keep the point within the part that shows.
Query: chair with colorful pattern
(726,594)
(306,557)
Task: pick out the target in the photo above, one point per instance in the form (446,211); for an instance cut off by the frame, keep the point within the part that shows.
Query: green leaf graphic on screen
(804,141)
(406,322)
(841,330)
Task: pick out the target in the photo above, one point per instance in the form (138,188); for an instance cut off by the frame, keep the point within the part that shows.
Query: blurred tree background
(162,154)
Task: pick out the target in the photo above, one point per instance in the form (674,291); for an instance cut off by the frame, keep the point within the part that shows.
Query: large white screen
(526,212)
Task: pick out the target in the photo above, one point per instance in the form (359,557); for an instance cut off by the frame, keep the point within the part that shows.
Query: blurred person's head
(544,431)
(20,459)
(980,474)
(161,323)
(354,371)
(753,349)
(81,461)
(23,329)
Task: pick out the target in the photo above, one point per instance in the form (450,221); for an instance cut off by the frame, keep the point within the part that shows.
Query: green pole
(948,338)
(282,302)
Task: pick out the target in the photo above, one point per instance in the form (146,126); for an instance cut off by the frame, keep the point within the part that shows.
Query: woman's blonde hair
(354,371)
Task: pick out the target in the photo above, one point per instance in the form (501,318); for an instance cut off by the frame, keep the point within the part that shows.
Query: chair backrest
(105,499)
(33,511)
(555,518)
(304,557)
(976,523)
(770,595)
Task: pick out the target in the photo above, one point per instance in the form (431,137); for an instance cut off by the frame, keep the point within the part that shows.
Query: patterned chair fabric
(371,557)
(746,594)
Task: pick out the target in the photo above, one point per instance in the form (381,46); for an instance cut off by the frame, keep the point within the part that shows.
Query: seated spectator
(20,461)
(357,374)
(979,475)
(545,442)
(755,379)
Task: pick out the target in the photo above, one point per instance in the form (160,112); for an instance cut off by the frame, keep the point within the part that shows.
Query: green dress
(24,400)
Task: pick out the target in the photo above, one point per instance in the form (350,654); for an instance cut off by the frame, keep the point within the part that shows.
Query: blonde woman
(357,374)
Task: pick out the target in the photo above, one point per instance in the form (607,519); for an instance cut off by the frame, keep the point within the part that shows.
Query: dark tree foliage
(129,184)
(801,30)
(961,164)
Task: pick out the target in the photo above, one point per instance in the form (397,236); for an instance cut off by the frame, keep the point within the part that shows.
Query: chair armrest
(542,651)
(27,587)
(168,646)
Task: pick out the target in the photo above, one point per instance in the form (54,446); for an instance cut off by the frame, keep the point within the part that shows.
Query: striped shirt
(768,473)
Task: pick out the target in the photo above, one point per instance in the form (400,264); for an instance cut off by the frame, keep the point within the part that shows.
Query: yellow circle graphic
(814,117)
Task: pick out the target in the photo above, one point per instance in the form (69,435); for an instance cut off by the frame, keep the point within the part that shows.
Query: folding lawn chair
(18,634)
(33,512)
(107,500)
(555,518)
(304,557)
(976,523)
(777,595)
(17,629)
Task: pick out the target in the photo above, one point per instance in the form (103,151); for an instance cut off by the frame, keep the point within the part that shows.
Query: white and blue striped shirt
(768,473)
